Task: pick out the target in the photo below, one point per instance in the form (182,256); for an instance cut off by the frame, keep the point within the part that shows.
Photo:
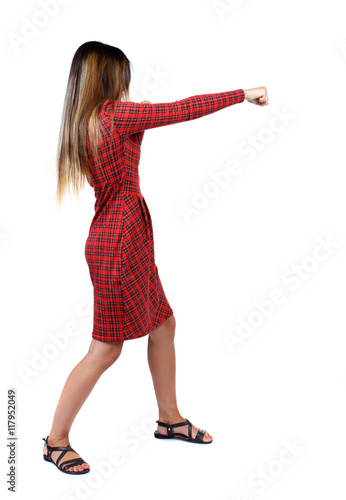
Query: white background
(283,383)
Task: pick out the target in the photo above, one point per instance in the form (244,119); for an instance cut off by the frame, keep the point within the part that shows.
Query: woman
(100,140)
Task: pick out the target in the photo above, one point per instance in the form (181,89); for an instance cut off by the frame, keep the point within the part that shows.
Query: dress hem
(122,338)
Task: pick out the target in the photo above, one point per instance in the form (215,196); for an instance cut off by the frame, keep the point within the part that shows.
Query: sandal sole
(158,435)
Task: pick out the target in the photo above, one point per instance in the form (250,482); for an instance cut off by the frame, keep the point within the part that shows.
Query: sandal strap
(64,450)
(72,462)
(55,448)
(62,454)
(179,424)
(200,435)
(68,447)
(173,425)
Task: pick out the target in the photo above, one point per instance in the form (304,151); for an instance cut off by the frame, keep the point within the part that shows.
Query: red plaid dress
(129,300)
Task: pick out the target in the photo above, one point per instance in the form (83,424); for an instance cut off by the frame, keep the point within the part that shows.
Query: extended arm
(130,117)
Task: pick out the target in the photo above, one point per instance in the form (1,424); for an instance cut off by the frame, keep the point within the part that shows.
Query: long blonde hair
(98,72)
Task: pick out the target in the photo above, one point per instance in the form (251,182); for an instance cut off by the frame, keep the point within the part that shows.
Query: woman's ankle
(57,438)
(169,417)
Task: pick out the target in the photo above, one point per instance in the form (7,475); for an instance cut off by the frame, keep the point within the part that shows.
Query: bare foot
(68,456)
(184,429)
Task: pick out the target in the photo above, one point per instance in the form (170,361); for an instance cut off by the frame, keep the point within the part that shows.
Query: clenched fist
(258,95)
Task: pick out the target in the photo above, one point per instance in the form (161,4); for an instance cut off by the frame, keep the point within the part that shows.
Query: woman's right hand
(257,96)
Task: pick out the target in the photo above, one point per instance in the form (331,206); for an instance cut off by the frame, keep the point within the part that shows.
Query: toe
(78,468)
(207,436)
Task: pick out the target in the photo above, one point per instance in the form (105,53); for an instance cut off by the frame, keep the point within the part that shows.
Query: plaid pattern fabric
(129,300)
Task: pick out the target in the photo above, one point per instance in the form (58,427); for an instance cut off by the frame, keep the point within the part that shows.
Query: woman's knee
(170,323)
(165,329)
(105,353)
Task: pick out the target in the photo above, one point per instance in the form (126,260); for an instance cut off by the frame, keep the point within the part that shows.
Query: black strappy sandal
(178,435)
(68,463)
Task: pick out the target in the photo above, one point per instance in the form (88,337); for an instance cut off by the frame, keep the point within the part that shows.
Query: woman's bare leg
(161,359)
(79,384)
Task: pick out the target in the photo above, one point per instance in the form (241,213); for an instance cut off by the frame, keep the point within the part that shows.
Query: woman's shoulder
(108,103)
